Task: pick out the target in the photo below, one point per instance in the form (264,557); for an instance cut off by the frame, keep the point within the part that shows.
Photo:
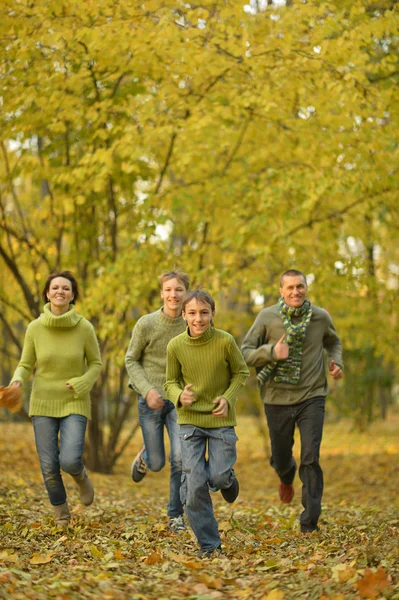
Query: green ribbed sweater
(64,349)
(146,356)
(215,366)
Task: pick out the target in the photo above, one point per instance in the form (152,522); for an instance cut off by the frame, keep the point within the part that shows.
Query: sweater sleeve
(332,344)
(173,377)
(137,374)
(28,359)
(239,373)
(83,384)
(255,351)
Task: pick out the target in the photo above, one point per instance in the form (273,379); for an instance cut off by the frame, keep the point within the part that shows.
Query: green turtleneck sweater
(213,363)
(146,356)
(64,350)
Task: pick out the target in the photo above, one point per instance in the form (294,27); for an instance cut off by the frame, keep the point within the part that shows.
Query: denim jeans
(309,416)
(54,455)
(153,422)
(201,474)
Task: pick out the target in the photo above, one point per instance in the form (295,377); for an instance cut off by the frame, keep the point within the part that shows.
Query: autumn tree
(230,139)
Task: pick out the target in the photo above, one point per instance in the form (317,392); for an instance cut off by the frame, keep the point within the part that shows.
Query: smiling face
(198,316)
(294,290)
(172,294)
(60,295)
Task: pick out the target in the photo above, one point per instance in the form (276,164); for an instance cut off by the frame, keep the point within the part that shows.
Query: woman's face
(60,294)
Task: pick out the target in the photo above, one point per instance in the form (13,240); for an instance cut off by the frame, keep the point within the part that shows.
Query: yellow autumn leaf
(41,559)
(275,594)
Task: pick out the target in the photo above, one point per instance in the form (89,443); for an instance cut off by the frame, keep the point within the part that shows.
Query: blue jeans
(153,422)
(309,417)
(201,474)
(65,454)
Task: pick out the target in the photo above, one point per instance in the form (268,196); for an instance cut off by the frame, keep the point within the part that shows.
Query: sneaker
(230,494)
(139,467)
(286,492)
(214,553)
(177,523)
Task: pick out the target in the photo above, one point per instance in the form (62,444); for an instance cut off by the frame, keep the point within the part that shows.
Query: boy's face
(172,294)
(198,316)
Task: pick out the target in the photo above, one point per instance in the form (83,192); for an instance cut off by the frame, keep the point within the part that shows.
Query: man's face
(294,290)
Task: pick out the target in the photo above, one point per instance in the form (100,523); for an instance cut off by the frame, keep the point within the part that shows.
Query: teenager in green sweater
(146,365)
(63,347)
(205,371)
(286,345)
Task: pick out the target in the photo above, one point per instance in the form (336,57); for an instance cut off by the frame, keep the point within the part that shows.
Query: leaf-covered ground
(121,547)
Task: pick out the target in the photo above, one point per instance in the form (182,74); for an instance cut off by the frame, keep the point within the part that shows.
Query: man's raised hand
(281,349)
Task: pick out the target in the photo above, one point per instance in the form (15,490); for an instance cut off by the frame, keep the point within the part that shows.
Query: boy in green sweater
(205,371)
(146,365)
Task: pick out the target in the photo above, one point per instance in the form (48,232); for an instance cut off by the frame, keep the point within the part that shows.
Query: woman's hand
(70,387)
(16,384)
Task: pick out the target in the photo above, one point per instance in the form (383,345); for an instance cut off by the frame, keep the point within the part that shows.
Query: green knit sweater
(146,356)
(215,366)
(64,349)
(320,335)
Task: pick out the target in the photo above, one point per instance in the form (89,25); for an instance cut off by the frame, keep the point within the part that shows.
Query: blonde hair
(177,274)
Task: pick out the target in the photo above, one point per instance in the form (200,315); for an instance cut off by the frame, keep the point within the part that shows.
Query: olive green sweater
(64,349)
(321,335)
(215,366)
(146,356)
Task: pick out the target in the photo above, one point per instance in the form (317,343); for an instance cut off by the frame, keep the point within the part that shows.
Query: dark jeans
(309,416)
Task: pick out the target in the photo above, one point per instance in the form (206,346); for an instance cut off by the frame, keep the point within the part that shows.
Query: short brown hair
(177,274)
(66,275)
(292,273)
(199,296)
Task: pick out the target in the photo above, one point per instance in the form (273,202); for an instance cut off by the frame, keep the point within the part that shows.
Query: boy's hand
(154,399)
(187,396)
(222,409)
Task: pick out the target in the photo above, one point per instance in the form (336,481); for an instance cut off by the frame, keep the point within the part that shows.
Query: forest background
(231,140)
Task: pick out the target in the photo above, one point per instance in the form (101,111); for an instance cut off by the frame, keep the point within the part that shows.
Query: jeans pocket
(229,436)
(186,432)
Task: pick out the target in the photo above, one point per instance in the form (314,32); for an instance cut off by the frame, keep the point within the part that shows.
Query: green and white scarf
(289,370)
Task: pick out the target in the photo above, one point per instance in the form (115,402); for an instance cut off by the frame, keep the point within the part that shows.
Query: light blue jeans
(201,474)
(153,423)
(54,455)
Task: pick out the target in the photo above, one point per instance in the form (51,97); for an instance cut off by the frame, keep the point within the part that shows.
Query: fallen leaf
(8,556)
(41,559)
(215,583)
(342,573)
(275,594)
(153,559)
(373,583)
(200,588)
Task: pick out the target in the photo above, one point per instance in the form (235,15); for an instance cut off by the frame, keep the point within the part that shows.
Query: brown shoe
(286,492)
(86,491)
(62,516)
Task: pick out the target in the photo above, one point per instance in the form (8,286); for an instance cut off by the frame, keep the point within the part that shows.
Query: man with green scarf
(285,345)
